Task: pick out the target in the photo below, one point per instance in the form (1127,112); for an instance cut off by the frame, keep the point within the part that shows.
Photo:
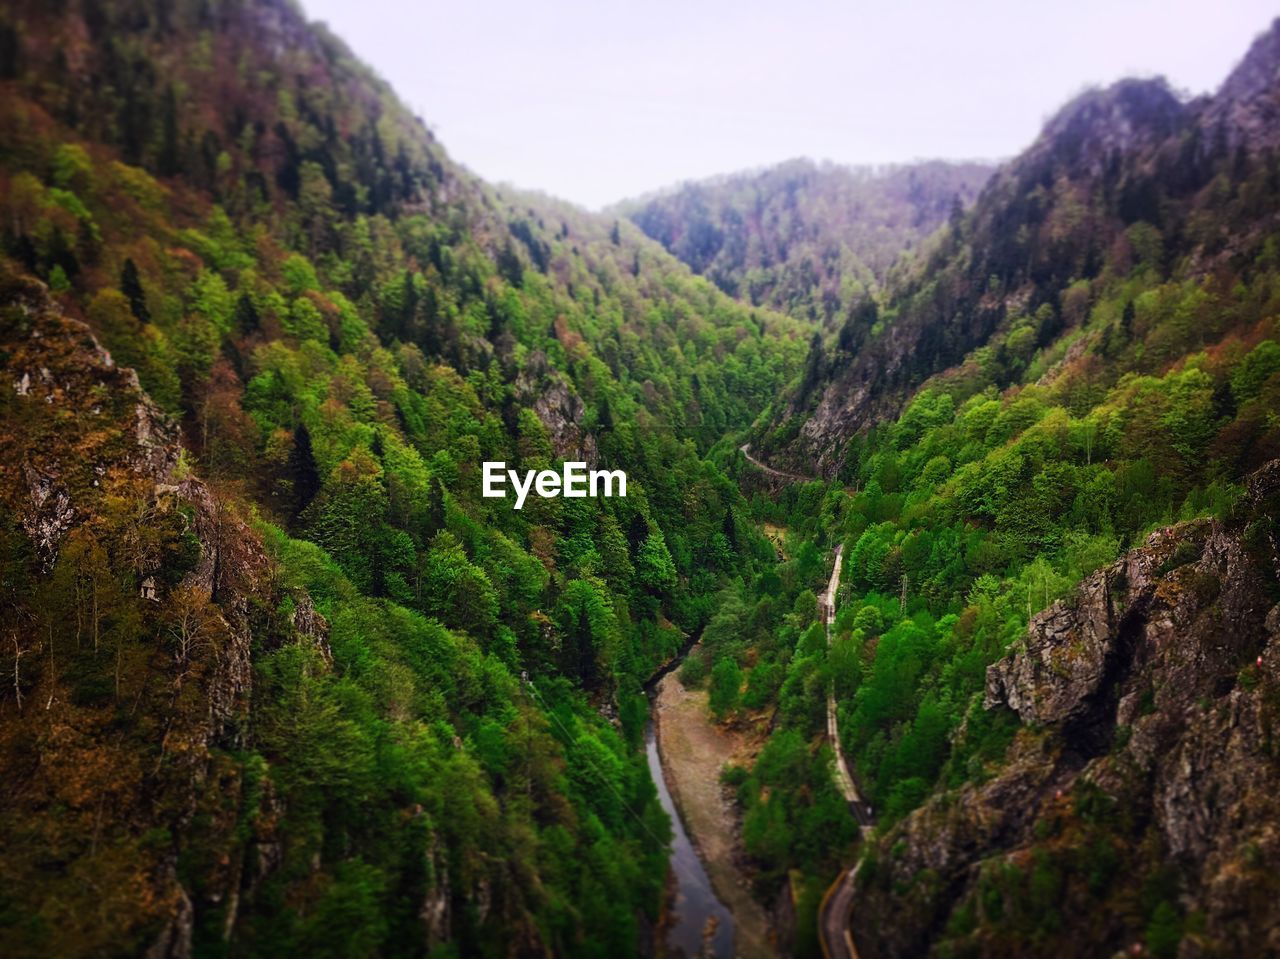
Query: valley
(891,565)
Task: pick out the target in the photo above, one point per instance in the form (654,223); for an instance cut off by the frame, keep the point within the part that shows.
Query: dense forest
(1085,363)
(810,240)
(337,326)
(279,679)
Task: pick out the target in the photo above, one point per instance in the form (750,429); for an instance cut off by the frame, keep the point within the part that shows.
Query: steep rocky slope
(120,715)
(1138,804)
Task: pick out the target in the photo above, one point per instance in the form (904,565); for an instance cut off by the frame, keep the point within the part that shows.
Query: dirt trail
(745,449)
(694,750)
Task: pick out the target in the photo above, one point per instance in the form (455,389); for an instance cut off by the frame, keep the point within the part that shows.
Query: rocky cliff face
(1247,108)
(559,408)
(1138,808)
(118,717)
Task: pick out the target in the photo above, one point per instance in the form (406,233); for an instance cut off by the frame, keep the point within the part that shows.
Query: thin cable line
(612,788)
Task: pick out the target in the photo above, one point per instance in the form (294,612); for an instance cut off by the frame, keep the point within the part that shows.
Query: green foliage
(1261,363)
(1164,931)
(993,493)
(346,324)
(655,569)
(693,671)
(806,239)
(726,682)
(793,812)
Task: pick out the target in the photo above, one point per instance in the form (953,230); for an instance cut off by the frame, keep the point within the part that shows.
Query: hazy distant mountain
(806,238)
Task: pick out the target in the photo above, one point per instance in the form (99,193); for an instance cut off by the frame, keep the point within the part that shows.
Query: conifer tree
(302,472)
(131,287)
(246,315)
(169,161)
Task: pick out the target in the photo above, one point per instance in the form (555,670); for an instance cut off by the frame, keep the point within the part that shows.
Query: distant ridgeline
(1116,244)
(807,239)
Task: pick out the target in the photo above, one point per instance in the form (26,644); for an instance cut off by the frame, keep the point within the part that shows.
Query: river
(696,902)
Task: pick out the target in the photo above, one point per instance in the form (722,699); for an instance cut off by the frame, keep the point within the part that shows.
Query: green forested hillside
(284,682)
(341,325)
(1089,355)
(1127,185)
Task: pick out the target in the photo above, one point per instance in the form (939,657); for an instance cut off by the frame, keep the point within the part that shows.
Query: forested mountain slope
(1126,189)
(266,638)
(1053,454)
(807,239)
(284,682)
(1138,802)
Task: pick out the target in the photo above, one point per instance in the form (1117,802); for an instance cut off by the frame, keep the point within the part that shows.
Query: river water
(696,901)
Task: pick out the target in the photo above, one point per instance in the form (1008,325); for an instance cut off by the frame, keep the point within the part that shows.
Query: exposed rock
(1158,686)
(1073,648)
(308,623)
(48,514)
(1247,106)
(436,911)
(82,439)
(559,408)
(175,939)
(1128,116)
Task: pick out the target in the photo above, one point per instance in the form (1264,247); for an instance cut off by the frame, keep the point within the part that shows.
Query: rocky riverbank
(693,750)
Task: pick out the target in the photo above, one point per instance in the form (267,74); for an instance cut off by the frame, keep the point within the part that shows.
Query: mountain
(1049,452)
(1143,784)
(283,680)
(1117,175)
(806,239)
(280,679)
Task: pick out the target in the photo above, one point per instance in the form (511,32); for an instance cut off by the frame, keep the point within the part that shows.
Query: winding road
(745,450)
(836,911)
(844,779)
(835,914)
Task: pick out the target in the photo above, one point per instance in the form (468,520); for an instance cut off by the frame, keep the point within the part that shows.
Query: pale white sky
(598,100)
